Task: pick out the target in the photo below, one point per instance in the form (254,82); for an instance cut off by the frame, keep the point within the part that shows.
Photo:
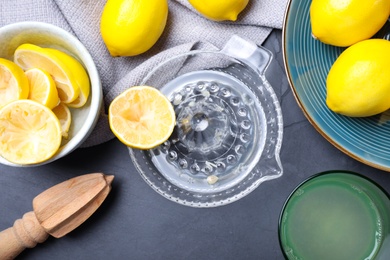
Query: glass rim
(316,175)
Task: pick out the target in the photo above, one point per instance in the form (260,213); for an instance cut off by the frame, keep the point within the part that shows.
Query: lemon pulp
(65,117)
(13,82)
(142,117)
(29,132)
(42,88)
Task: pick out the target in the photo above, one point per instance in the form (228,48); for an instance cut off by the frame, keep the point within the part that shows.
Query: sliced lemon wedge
(13,82)
(80,75)
(42,88)
(63,114)
(29,56)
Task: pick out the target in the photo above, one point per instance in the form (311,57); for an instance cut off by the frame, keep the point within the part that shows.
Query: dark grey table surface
(137,223)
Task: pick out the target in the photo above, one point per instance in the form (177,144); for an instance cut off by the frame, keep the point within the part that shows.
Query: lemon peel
(358,83)
(220,10)
(345,22)
(131,27)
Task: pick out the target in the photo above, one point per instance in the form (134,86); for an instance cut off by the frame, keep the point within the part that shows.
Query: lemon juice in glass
(335,215)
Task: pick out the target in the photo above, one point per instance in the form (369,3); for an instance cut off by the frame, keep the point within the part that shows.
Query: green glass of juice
(336,215)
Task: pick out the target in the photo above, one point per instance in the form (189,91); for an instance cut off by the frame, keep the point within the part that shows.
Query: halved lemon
(79,73)
(13,82)
(63,114)
(42,88)
(29,56)
(141,117)
(30,132)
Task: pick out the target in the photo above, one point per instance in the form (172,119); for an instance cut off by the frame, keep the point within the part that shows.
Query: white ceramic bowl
(46,35)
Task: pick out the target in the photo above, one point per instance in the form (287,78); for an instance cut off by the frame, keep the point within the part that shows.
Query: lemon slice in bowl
(63,114)
(79,73)
(30,132)
(13,82)
(42,88)
(141,117)
(29,56)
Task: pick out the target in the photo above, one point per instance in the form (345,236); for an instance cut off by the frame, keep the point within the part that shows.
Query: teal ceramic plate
(307,62)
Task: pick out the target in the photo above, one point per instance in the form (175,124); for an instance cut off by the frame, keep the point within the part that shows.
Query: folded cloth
(186,30)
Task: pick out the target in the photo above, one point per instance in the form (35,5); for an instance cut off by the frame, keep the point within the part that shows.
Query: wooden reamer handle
(56,212)
(25,233)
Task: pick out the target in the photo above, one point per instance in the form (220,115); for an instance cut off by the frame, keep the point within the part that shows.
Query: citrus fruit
(42,88)
(345,22)
(63,114)
(358,83)
(80,75)
(131,27)
(30,56)
(219,10)
(141,117)
(29,132)
(13,82)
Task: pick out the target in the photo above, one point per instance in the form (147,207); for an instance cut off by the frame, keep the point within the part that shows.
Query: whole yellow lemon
(345,22)
(131,27)
(358,83)
(219,10)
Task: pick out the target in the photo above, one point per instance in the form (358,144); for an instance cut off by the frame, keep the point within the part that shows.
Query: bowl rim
(96,92)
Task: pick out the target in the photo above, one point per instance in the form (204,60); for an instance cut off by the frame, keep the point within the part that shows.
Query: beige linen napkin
(186,30)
